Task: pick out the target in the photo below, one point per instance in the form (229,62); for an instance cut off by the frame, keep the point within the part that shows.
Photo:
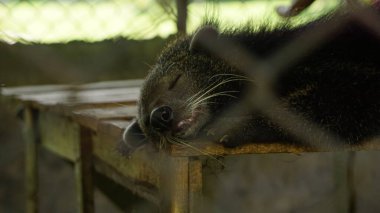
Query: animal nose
(161,118)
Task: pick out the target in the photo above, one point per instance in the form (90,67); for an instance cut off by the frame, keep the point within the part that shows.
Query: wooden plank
(204,148)
(67,139)
(31,138)
(83,171)
(78,96)
(137,187)
(114,84)
(36,89)
(59,134)
(115,189)
(142,168)
(65,98)
(93,116)
(15,91)
(210,148)
(113,128)
(116,127)
(68,109)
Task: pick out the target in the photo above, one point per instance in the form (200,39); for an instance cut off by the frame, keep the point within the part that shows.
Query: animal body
(336,87)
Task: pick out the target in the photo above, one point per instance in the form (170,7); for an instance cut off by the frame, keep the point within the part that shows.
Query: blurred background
(80,41)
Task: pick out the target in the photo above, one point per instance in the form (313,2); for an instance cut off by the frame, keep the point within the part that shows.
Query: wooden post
(351,182)
(83,171)
(195,185)
(342,196)
(31,138)
(174,185)
(182,15)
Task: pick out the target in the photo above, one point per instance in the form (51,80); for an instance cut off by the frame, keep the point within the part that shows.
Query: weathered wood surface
(113,186)
(93,104)
(84,125)
(24,90)
(31,138)
(93,117)
(64,99)
(59,134)
(142,169)
(195,185)
(83,165)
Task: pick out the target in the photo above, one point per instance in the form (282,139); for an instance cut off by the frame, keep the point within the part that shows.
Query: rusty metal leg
(31,138)
(83,171)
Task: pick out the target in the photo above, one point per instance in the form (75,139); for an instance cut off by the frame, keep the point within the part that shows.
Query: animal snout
(161,118)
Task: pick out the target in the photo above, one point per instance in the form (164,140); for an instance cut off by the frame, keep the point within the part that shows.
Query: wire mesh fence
(62,21)
(64,17)
(52,21)
(264,72)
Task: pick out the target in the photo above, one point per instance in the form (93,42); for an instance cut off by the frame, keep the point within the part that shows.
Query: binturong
(334,87)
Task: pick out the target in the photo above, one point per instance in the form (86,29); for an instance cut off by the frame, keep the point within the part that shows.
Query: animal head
(183,92)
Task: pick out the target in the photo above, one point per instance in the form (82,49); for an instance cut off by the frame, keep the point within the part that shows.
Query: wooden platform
(83,124)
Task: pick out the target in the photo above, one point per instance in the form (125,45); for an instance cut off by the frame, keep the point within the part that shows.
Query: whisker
(204,94)
(148,65)
(211,85)
(200,92)
(169,67)
(215,95)
(179,142)
(162,142)
(229,74)
(216,86)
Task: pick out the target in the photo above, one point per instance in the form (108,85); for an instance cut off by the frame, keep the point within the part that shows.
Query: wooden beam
(342,192)
(83,172)
(31,138)
(59,134)
(137,187)
(119,193)
(195,185)
(174,184)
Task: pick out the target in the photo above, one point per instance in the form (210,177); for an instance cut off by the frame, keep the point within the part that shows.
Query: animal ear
(201,37)
(133,139)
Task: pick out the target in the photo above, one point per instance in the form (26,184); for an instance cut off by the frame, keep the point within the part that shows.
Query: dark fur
(337,86)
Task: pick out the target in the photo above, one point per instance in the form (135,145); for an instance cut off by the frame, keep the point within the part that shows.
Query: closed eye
(172,85)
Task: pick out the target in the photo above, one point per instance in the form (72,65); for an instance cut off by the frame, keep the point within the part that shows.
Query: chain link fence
(51,21)
(92,20)
(265,71)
